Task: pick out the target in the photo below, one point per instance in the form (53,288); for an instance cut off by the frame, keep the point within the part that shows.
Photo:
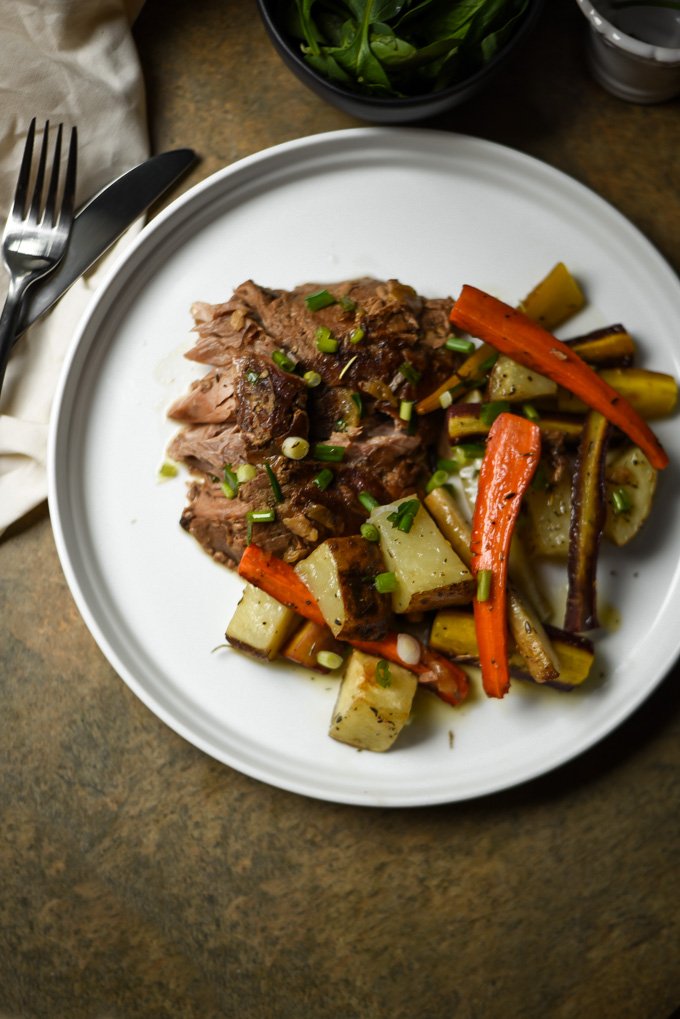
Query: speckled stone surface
(139,879)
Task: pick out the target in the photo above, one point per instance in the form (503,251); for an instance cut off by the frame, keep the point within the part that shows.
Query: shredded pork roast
(246,405)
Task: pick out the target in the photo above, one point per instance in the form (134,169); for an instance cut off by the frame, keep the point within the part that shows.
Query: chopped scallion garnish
(284,362)
(323,479)
(406,410)
(312,379)
(252,376)
(331,454)
(230,482)
(325,341)
(245,472)
(346,303)
(530,412)
(369,532)
(368,501)
(319,299)
(385,583)
(410,373)
(621,500)
(488,412)
(484,584)
(438,479)
(357,335)
(329,660)
(383,676)
(487,365)
(263,516)
(459,344)
(274,482)
(358,403)
(404,515)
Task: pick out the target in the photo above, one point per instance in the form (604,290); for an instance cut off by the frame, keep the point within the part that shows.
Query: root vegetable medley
(386,471)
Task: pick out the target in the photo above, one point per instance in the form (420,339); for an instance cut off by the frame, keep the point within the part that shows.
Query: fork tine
(51,200)
(69,196)
(19,206)
(34,211)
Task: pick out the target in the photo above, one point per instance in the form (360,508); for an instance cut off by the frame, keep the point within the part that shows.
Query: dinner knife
(101,221)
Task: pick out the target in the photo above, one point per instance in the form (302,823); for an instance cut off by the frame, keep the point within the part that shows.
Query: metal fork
(36,236)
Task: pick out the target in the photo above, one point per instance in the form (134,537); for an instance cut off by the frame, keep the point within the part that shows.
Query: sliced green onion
(348,365)
(488,412)
(357,335)
(312,379)
(346,303)
(330,454)
(263,516)
(447,465)
(406,410)
(445,399)
(487,365)
(325,341)
(280,358)
(404,515)
(438,479)
(358,403)
(324,478)
(340,425)
(484,584)
(252,376)
(460,344)
(410,373)
(295,447)
(383,676)
(245,472)
(168,470)
(621,500)
(329,660)
(369,532)
(319,299)
(530,412)
(230,483)
(274,482)
(471,450)
(368,501)
(385,583)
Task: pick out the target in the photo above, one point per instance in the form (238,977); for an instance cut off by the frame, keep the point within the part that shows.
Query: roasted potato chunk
(373,704)
(340,573)
(631,482)
(260,624)
(428,572)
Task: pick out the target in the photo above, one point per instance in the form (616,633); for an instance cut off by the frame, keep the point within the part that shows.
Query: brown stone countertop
(140,879)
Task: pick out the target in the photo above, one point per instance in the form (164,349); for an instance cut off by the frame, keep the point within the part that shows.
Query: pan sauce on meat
(248,403)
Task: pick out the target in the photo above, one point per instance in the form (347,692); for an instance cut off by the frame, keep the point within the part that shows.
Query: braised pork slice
(339,376)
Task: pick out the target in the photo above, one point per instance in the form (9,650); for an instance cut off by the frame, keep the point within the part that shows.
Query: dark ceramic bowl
(385,110)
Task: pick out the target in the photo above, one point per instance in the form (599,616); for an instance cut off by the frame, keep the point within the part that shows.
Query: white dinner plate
(434,210)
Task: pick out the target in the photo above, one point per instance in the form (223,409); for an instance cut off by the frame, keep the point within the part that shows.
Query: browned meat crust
(246,405)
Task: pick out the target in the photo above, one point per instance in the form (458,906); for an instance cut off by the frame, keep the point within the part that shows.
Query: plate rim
(151,237)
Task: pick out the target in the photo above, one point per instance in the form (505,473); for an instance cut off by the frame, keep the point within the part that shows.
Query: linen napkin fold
(70,61)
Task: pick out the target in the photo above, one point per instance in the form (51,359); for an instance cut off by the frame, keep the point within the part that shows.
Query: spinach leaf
(402,47)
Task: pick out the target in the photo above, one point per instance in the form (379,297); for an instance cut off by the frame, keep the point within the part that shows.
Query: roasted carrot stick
(515,334)
(512,454)
(279,579)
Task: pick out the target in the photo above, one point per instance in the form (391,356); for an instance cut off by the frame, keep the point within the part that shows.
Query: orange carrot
(269,573)
(512,453)
(266,571)
(518,336)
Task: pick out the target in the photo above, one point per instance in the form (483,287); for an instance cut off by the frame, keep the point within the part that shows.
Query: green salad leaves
(402,47)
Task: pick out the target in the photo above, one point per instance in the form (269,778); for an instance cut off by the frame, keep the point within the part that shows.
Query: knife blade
(101,221)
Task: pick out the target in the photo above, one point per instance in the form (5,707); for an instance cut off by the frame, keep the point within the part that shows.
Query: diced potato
(340,574)
(513,382)
(428,572)
(260,624)
(549,513)
(631,473)
(373,704)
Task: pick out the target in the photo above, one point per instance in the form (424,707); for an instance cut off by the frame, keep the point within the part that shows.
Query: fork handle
(9,320)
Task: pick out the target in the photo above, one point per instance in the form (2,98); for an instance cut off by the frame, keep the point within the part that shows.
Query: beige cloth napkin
(72,61)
